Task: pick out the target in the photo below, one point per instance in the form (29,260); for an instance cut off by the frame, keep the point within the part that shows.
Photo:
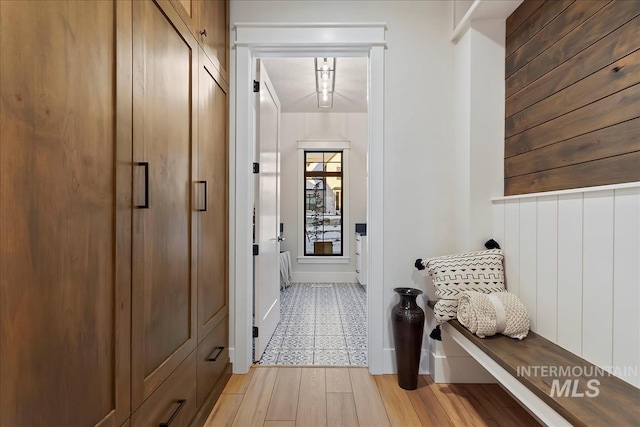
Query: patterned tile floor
(320,324)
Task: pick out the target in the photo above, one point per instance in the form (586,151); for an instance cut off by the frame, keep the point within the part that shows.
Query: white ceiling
(295,84)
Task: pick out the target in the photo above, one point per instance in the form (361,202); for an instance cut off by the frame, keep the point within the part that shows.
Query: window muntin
(323,230)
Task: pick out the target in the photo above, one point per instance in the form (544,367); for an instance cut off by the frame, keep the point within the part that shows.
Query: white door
(267,263)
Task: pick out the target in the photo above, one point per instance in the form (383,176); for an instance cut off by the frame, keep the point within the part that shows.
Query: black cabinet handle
(203,32)
(205,196)
(214,358)
(145,165)
(181,403)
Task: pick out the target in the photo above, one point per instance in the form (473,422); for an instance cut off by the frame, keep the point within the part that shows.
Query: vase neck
(408,301)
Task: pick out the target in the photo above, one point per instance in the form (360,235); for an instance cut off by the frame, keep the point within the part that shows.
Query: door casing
(254,41)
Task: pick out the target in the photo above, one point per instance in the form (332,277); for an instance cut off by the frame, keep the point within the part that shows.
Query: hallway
(312,396)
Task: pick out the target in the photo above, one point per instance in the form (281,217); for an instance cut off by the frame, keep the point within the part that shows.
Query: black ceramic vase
(408,325)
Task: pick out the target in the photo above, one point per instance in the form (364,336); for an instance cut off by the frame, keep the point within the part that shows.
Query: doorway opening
(310,193)
(258,41)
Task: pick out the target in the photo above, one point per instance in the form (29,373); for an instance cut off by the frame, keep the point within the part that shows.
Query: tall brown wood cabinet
(213,238)
(113,215)
(208,21)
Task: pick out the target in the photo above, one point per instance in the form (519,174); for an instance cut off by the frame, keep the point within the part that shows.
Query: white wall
(460,8)
(487,126)
(479,132)
(419,123)
(574,261)
(318,126)
(462,142)
(478,172)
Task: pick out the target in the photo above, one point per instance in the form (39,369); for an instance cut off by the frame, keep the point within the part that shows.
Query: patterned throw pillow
(453,274)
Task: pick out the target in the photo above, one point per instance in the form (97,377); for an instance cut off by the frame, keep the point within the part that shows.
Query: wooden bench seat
(531,363)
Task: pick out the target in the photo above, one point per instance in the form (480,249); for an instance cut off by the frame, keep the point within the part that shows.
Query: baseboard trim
(324,277)
(232,356)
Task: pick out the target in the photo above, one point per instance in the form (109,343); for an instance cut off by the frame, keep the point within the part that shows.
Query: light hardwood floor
(313,396)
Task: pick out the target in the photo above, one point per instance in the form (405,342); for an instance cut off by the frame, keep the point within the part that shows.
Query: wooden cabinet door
(163,289)
(64,213)
(187,11)
(213,224)
(213,31)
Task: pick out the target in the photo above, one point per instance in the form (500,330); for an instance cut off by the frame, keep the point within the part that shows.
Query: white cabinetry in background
(361,259)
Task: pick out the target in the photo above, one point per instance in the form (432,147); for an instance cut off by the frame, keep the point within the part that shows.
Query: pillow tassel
(491,244)
(435,334)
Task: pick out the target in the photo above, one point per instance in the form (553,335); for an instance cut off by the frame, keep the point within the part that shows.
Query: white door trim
(254,40)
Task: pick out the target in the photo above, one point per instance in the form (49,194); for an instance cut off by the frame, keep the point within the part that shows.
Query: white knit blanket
(495,313)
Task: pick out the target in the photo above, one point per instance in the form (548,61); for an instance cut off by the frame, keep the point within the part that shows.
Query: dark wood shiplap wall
(572,95)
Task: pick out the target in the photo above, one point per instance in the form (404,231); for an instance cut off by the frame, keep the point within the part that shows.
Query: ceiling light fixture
(325,69)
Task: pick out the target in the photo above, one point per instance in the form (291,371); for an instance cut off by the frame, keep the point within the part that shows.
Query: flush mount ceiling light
(325,81)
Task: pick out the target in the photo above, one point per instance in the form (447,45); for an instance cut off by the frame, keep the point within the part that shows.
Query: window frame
(324,175)
(323,146)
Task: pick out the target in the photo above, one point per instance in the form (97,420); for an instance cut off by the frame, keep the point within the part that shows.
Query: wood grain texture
(61,288)
(558,26)
(398,407)
(489,410)
(605,51)
(124,201)
(612,170)
(164,402)
(279,423)
(224,411)
(611,141)
(619,107)
(256,400)
(187,11)
(341,410)
(369,405)
(187,5)
(497,407)
(538,20)
(205,408)
(213,221)
(620,75)
(521,14)
(457,406)
(498,396)
(164,248)
(535,350)
(238,383)
(338,380)
(212,17)
(213,358)
(606,20)
(427,405)
(284,402)
(312,402)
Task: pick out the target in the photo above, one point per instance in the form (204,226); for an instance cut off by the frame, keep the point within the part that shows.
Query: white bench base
(532,403)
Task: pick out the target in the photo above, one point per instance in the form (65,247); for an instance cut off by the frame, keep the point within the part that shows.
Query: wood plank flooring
(314,396)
